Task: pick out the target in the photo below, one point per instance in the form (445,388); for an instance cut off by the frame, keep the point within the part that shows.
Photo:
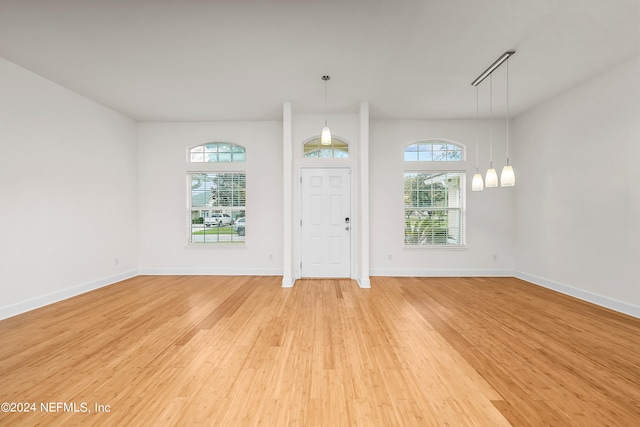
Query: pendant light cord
(491,121)
(507,111)
(477,132)
(326,79)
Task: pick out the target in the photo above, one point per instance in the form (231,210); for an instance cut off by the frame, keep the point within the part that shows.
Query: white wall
(578,200)
(68,186)
(163,199)
(489,223)
(77,194)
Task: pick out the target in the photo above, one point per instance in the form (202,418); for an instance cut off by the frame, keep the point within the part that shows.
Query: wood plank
(212,350)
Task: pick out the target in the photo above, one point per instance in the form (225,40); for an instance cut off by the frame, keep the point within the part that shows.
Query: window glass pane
(238,157)
(422,199)
(425,146)
(311,147)
(425,156)
(197,157)
(211,148)
(198,198)
(439,156)
(338,144)
(224,157)
(411,148)
(339,153)
(198,179)
(455,155)
(198,149)
(410,156)
(438,198)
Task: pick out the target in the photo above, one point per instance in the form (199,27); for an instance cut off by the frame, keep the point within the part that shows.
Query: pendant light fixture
(491,178)
(325,136)
(477,184)
(507,177)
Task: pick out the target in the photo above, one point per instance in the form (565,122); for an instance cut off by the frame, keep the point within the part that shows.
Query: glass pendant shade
(477,184)
(507,177)
(491,179)
(325,136)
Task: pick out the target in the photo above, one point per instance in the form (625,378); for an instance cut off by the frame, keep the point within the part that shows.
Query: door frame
(298,218)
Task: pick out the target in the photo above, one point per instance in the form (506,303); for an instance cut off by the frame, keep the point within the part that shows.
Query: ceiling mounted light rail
(493,67)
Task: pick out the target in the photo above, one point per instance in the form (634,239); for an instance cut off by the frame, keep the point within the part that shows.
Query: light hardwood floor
(235,351)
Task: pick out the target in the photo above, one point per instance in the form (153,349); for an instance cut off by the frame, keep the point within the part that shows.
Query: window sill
(215,246)
(434,247)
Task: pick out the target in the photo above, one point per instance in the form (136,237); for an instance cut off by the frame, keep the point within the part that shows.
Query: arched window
(337,149)
(434,151)
(217,152)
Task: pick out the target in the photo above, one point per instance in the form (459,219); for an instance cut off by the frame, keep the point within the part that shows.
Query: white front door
(326,222)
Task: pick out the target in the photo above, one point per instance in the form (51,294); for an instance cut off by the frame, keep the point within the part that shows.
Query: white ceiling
(192,60)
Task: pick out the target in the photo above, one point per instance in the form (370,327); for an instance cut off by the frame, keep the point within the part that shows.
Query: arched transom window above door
(337,149)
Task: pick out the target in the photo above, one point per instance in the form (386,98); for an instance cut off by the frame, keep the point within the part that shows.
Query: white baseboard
(210,272)
(613,304)
(288,282)
(610,303)
(32,304)
(439,273)
(364,283)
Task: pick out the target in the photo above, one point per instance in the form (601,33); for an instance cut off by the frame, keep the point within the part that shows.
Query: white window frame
(440,167)
(205,210)
(221,227)
(418,218)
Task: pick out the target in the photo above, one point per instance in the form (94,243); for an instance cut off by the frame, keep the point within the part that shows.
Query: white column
(287,195)
(363,273)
